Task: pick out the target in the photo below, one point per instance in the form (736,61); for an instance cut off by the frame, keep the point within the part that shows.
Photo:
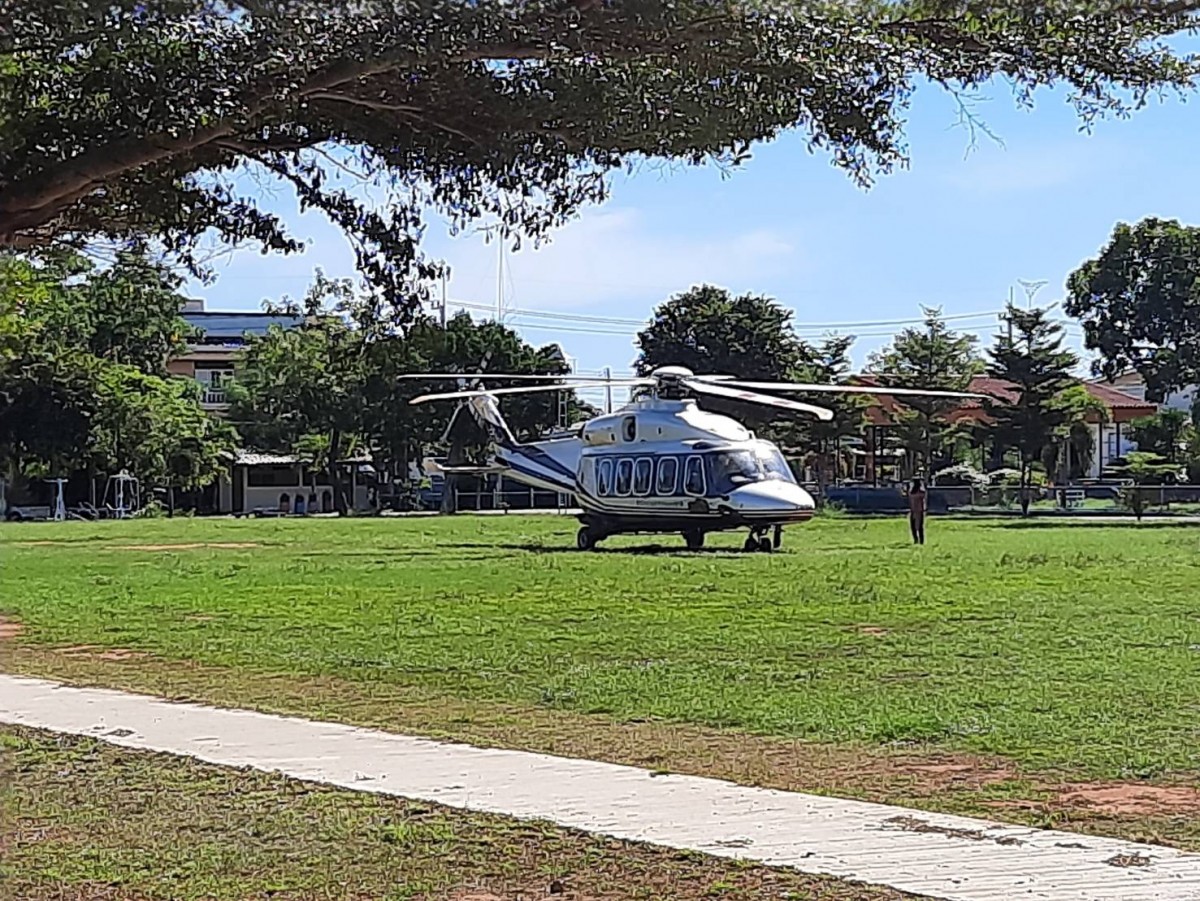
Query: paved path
(927,854)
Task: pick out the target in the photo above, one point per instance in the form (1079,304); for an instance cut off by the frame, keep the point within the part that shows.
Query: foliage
(1012,478)
(84,349)
(125,119)
(1045,399)
(156,429)
(828,364)
(1165,433)
(331,385)
(932,358)
(1139,302)
(710,331)
(1144,469)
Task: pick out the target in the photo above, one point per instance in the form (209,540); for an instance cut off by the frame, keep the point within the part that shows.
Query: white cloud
(613,256)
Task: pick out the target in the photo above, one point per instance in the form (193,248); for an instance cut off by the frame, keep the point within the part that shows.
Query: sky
(957,229)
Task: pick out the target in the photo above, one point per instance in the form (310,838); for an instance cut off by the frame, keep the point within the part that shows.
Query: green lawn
(1075,648)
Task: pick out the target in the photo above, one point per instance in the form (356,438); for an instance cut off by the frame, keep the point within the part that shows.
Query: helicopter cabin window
(624,477)
(604,474)
(693,476)
(643,476)
(668,475)
(629,428)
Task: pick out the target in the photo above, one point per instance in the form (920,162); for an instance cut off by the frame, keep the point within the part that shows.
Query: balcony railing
(214,396)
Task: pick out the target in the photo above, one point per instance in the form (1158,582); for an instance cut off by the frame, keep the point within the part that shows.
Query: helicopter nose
(773,500)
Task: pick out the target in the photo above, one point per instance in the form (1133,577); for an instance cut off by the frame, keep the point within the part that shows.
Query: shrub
(961,476)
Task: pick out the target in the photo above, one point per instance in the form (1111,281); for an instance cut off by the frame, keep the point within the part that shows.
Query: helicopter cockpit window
(643,476)
(668,475)
(604,473)
(693,476)
(624,477)
(733,468)
(629,428)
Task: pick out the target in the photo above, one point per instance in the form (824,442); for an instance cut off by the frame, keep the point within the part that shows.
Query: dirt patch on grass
(93,652)
(1118,799)
(9,628)
(873,630)
(218,545)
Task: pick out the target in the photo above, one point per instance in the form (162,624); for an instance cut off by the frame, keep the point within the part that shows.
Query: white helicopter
(660,464)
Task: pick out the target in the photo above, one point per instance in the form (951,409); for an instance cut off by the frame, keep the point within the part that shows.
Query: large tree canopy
(127,118)
(1139,302)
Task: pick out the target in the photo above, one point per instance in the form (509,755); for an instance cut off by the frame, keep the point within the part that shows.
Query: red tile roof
(1122,407)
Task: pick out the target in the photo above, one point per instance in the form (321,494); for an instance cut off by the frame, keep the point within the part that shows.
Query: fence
(520,499)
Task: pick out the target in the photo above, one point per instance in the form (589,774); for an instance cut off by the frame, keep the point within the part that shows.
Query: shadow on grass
(567,548)
(1097,523)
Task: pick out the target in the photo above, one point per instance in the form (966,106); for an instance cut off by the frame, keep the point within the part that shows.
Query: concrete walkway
(927,854)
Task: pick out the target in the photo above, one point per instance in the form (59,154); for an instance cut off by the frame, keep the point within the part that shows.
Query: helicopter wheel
(585,539)
(694,539)
(764,545)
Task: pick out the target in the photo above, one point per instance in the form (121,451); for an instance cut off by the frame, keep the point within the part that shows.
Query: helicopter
(660,464)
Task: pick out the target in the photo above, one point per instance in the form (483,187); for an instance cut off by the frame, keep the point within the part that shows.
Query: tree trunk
(335,476)
(170,501)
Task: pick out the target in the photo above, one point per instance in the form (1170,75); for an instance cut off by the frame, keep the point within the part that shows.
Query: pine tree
(932,358)
(1028,354)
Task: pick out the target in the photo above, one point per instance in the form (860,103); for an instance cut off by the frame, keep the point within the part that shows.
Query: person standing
(916,511)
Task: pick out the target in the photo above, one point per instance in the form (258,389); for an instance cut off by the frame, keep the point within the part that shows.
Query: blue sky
(957,229)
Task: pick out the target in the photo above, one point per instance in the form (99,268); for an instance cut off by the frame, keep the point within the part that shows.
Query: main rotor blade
(765,399)
(505,376)
(803,387)
(523,389)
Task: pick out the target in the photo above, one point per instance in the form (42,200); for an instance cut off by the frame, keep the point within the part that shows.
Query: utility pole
(444,301)
(608,389)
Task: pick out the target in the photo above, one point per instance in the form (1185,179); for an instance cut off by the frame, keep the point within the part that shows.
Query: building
(1110,433)
(211,357)
(1134,385)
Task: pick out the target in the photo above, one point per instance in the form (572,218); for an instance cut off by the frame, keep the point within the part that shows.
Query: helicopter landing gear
(694,539)
(586,539)
(758,541)
(777,541)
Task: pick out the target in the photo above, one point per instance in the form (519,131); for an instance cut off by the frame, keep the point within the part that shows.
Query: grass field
(89,821)
(1039,654)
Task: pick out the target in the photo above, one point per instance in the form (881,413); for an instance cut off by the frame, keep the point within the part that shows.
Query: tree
(62,323)
(155,427)
(931,358)
(298,382)
(1143,469)
(829,364)
(1139,302)
(128,119)
(1166,434)
(1046,400)
(710,331)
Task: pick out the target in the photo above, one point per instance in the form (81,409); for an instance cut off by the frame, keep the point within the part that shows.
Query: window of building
(693,476)
(604,478)
(643,476)
(668,475)
(272,475)
(624,477)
